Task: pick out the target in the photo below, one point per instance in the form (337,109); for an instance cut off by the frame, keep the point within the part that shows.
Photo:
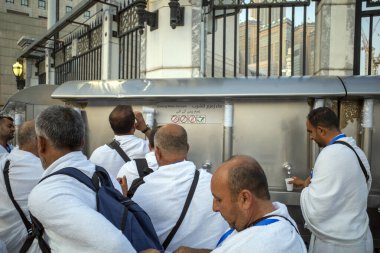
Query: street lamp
(18,72)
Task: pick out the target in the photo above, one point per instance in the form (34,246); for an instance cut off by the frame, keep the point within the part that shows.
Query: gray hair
(27,134)
(63,127)
(171,138)
(249,175)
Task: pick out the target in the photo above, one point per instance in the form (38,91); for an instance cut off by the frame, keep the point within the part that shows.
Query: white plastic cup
(289,184)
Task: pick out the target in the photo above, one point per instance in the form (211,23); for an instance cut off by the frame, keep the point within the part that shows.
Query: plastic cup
(289,184)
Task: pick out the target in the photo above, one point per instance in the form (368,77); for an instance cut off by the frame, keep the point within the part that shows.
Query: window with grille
(42,4)
(69,9)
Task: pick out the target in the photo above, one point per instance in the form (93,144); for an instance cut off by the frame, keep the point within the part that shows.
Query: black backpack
(141,164)
(121,211)
(143,170)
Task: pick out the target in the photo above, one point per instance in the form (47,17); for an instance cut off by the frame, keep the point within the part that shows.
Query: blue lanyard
(8,148)
(331,142)
(336,138)
(226,234)
(229,232)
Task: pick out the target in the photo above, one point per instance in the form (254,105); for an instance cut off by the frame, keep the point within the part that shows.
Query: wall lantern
(18,72)
(151,18)
(177,14)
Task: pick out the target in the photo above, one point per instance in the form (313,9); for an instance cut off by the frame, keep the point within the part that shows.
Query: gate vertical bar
(304,42)
(269,38)
(292,47)
(235,39)
(280,42)
(258,42)
(224,40)
(370,45)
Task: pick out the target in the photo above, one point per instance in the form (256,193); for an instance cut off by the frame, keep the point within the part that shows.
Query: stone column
(174,53)
(30,69)
(335,30)
(49,61)
(110,45)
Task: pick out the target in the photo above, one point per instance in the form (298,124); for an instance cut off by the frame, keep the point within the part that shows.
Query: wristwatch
(145,129)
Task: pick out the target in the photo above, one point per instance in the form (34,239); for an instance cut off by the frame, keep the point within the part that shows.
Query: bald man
(257,224)
(25,171)
(164,193)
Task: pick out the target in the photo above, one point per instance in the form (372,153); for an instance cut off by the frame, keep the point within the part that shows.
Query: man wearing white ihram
(123,122)
(165,191)
(334,200)
(23,173)
(67,208)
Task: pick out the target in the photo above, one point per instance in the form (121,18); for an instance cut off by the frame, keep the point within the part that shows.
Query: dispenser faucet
(289,168)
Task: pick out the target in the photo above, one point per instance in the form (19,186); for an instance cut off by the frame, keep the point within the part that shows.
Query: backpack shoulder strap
(116,146)
(135,184)
(143,167)
(184,210)
(75,173)
(103,176)
(360,161)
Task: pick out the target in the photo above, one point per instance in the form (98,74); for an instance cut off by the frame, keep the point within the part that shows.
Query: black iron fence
(79,58)
(367,38)
(130,41)
(41,73)
(260,38)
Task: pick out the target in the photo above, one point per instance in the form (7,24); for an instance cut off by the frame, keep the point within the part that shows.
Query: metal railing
(130,41)
(79,57)
(84,67)
(261,38)
(367,38)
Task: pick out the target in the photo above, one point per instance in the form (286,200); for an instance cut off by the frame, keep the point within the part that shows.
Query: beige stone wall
(17,21)
(12,27)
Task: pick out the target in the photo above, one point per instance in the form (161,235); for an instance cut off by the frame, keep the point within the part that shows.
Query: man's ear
(245,199)
(41,144)
(158,153)
(321,130)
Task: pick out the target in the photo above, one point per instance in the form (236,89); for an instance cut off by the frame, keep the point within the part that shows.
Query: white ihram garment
(130,168)
(163,196)
(277,237)
(25,171)
(334,205)
(110,160)
(67,210)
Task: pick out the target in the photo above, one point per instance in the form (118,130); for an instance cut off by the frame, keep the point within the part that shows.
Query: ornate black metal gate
(266,38)
(85,63)
(367,38)
(130,41)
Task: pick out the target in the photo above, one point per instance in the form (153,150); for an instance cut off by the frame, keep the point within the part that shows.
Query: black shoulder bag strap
(38,232)
(116,146)
(25,220)
(184,210)
(360,161)
(143,167)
